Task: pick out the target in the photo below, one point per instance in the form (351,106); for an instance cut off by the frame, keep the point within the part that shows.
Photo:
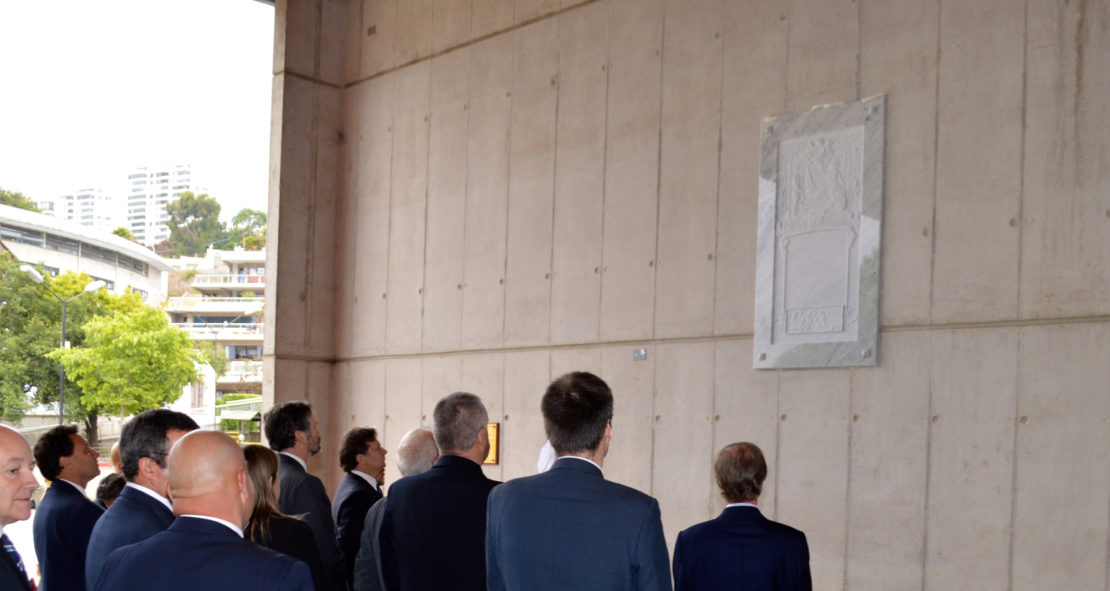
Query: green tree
(248,229)
(124,233)
(17,199)
(215,356)
(194,224)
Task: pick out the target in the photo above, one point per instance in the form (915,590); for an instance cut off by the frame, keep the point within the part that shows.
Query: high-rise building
(90,207)
(149,190)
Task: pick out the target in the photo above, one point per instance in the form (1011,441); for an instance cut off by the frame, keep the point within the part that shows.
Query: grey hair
(416,452)
(458,418)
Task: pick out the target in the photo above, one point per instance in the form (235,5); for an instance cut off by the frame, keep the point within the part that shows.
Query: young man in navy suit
(17,484)
(362,457)
(204,549)
(569,528)
(65,518)
(741,549)
(143,508)
(434,524)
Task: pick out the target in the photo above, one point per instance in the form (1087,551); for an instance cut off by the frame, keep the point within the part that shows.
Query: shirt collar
(368,478)
(303,463)
(235,528)
(584,460)
(730,505)
(152,494)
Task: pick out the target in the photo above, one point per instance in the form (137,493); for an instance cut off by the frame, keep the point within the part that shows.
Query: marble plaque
(820,208)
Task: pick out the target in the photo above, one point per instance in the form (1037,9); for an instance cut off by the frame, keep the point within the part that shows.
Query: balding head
(417,452)
(17,476)
(208,476)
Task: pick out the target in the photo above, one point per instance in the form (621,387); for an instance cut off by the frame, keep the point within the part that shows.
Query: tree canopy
(248,229)
(124,233)
(17,199)
(194,224)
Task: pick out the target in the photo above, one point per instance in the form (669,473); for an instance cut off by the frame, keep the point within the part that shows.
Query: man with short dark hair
(65,518)
(16,487)
(741,549)
(291,431)
(143,508)
(569,528)
(109,490)
(434,524)
(362,457)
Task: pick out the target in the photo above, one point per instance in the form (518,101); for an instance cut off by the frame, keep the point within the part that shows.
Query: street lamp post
(95,285)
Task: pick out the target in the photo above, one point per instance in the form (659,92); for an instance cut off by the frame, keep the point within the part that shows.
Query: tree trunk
(92,429)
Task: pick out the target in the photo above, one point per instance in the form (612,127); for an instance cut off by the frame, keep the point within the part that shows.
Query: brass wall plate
(494,431)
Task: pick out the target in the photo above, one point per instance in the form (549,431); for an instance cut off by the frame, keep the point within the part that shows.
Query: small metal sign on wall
(820,212)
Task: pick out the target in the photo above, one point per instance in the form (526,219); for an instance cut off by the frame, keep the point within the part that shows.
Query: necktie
(10,549)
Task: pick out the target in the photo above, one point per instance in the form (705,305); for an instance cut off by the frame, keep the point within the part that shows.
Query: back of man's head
(577,407)
(110,488)
(282,422)
(417,452)
(356,441)
(145,437)
(208,476)
(740,470)
(458,418)
(51,447)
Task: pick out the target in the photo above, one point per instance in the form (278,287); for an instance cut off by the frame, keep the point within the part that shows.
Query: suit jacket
(352,500)
(438,513)
(134,517)
(201,554)
(368,562)
(63,523)
(742,550)
(10,577)
(303,494)
(569,528)
(293,537)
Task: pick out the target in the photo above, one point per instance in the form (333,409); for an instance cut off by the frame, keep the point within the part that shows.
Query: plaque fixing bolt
(866,353)
(639,354)
(763,357)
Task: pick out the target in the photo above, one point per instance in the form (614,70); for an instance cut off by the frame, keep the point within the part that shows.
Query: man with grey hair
(416,454)
(442,512)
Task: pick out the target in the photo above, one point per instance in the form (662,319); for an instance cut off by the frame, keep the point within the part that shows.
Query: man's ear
(300,437)
(146,467)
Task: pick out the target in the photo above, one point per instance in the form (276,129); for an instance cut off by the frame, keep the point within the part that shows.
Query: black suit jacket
(63,523)
(743,550)
(352,500)
(303,494)
(134,517)
(439,513)
(368,561)
(198,554)
(293,537)
(569,528)
(10,577)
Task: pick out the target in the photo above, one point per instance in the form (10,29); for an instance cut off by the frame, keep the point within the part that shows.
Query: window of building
(62,244)
(15,234)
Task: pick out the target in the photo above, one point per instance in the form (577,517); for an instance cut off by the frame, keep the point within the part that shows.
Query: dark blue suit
(353,499)
(134,517)
(198,554)
(744,551)
(304,494)
(434,528)
(63,523)
(368,561)
(10,577)
(569,528)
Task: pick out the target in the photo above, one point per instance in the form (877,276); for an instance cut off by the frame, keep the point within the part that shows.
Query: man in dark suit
(362,457)
(204,548)
(291,430)
(741,549)
(434,524)
(65,517)
(569,528)
(143,508)
(16,489)
(416,453)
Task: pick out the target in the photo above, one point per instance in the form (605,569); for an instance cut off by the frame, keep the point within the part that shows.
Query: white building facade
(149,189)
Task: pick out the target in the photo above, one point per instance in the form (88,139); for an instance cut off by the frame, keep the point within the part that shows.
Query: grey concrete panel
(403,395)
(683,435)
(522,433)
(631,169)
(823,53)
(353,32)
(407,204)
(365,380)
(975,261)
(689,160)
(450,23)
(633,384)
(331,46)
(898,57)
(745,408)
(1066,194)
(442,376)
(524,10)
(413,39)
(971,459)
(754,85)
(447,163)
(298,23)
(889,467)
(346,229)
(378,49)
(531,181)
(487,16)
(484,376)
(318,392)
(568,360)
(1063,458)
(579,174)
(812,471)
(491,71)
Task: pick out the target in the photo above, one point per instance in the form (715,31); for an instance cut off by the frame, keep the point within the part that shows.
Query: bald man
(204,548)
(17,484)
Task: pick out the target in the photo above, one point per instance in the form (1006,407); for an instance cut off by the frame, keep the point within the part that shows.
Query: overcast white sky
(91,89)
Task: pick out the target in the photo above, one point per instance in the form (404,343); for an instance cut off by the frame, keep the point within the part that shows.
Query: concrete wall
(484,194)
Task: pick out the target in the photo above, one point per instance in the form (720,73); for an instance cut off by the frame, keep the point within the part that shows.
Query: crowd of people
(193,510)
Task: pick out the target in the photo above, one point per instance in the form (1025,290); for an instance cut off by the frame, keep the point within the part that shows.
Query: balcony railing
(223,331)
(214,304)
(230,280)
(241,368)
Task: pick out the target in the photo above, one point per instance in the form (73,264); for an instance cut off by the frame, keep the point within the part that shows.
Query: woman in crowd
(268,526)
